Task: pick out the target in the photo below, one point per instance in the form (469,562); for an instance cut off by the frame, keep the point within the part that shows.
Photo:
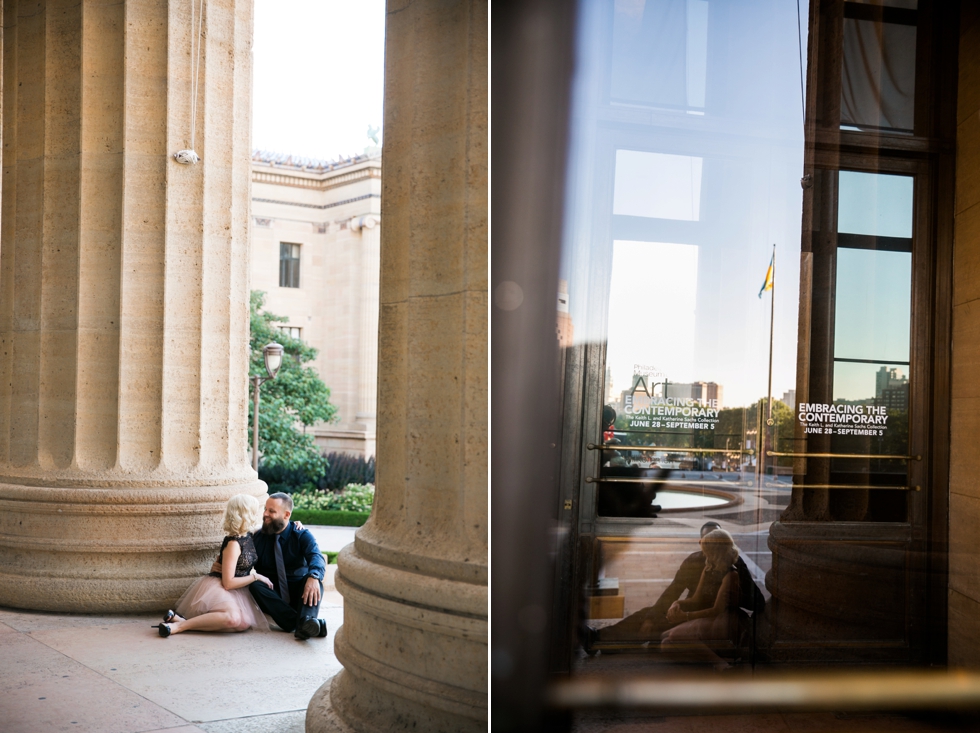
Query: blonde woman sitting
(711,617)
(220,601)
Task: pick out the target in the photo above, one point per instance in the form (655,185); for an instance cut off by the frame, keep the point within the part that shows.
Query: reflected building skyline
(709,393)
(892,389)
(789,399)
(706,393)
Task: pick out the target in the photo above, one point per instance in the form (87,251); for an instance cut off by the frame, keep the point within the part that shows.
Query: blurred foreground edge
(531,68)
(890,690)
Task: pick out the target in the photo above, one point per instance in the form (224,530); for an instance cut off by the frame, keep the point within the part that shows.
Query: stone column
(367,334)
(123,299)
(414,639)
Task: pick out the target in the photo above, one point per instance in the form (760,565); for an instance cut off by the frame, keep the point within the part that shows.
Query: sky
(318,76)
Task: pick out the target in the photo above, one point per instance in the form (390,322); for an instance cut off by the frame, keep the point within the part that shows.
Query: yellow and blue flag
(770,274)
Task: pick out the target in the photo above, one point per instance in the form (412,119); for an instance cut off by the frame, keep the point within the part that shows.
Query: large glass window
(872,354)
(686,154)
(747,353)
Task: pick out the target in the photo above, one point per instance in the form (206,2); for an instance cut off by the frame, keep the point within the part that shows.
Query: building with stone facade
(315,252)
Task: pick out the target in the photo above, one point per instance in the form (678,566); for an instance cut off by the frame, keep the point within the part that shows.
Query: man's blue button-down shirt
(300,554)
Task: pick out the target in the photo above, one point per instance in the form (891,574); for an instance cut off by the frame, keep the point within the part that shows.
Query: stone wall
(964,489)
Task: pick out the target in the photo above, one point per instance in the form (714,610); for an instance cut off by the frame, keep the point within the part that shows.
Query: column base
(108,550)
(414,650)
(321,717)
(346,704)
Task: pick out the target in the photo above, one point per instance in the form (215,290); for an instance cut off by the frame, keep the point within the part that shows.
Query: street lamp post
(273,360)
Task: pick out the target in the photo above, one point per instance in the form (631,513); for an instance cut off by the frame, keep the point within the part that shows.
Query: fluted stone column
(123,299)
(414,639)
(367,335)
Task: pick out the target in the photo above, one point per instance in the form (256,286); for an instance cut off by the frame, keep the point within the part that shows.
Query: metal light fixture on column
(273,360)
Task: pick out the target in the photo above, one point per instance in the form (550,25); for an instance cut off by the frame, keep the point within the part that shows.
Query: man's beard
(273,526)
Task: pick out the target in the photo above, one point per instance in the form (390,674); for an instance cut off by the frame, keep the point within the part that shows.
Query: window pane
(669,344)
(874,301)
(288,265)
(875,204)
(878,395)
(878,77)
(657,185)
(872,384)
(660,51)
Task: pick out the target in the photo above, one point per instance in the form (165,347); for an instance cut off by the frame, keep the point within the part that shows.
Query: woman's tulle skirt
(207,594)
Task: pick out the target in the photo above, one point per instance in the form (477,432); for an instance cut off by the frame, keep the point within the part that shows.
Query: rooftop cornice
(321,182)
(311,165)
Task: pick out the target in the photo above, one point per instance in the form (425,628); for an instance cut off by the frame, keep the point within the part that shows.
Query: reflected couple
(712,617)
(710,620)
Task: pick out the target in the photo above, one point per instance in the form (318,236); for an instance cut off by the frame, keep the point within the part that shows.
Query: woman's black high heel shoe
(164,630)
(172,615)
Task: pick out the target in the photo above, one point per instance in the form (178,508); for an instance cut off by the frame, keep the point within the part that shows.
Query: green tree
(290,403)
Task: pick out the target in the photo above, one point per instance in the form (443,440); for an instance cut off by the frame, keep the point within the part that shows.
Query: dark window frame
(289,264)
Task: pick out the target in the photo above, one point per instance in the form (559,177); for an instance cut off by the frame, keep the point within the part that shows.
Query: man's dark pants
(286,615)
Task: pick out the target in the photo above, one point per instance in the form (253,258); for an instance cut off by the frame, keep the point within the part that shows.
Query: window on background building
(288,265)
(292,331)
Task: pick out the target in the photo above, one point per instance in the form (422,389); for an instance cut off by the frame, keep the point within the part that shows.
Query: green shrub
(343,469)
(331,557)
(306,500)
(336,471)
(348,508)
(330,517)
(354,498)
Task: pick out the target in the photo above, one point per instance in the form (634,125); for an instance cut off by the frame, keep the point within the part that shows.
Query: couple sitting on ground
(718,586)
(278,571)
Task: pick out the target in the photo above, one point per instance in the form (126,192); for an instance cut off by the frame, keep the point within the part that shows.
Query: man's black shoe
(323,628)
(307,628)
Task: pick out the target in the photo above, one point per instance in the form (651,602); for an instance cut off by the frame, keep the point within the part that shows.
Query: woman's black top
(245,561)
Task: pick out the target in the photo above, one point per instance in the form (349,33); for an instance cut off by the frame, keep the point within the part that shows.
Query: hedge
(331,517)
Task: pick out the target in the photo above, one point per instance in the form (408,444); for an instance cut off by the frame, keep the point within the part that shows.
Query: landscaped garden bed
(348,508)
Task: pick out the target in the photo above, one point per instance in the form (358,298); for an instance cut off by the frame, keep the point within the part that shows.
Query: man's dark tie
(281,572)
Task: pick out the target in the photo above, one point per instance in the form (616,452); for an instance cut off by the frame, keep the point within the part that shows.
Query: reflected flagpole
(772,325)
(770,285)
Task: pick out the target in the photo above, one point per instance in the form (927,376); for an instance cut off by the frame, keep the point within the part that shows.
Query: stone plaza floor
(114,674)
